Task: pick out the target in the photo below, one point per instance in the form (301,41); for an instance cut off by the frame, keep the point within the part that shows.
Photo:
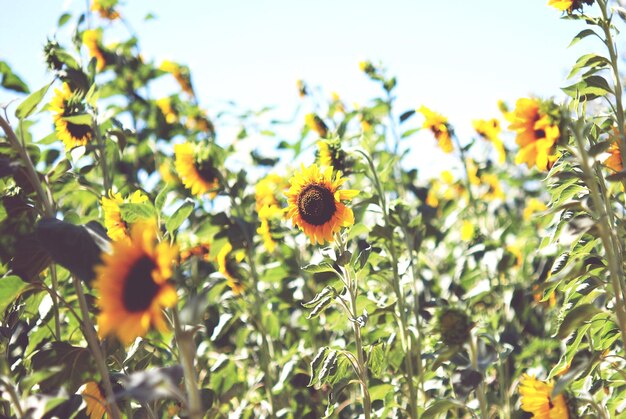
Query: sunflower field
(153,268)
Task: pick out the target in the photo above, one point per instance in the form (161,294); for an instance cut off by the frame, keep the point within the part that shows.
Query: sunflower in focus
(181,74)
(268,190)
(228,265)
(614,161)
(196,169)
(117,228)
(536,134)
(536,398)
(270,216)
(314,122)
(132,284)
(95,400)
(66,104)
(92,39)
(315,203)
(105,8)
(438,125)
(490,130)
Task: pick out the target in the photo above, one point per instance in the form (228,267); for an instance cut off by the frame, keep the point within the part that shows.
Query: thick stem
(480,390)
(96,349)
(187,352)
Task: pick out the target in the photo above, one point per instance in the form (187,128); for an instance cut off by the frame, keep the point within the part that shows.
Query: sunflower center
(140,288)
(206,171)
(316,204)
(78,131)
(539,133)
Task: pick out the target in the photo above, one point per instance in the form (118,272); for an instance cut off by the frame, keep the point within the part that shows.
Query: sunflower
(302,89)
(200,251)
(197,173)
(445,186)
(533,206)
(536,135)
(439,126)
(330,153)
(454,326)
(266,189)
(490,130)
(181,74)
(227,262)
(66,104)
(168,111)
(494,190)
(315,203)
(568,5)
(105,8)
(614,161)
(92,39)
(117,228)
(132,284)
(316,123)
(268,215)
(467,231)
(95,400)
(537,399)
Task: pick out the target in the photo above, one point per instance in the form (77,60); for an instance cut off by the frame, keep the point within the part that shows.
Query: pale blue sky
(457,57)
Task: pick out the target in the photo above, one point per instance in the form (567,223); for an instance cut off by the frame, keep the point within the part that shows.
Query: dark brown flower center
(79,131)
(140,288)
(316,204)
(539,134)
(207,171)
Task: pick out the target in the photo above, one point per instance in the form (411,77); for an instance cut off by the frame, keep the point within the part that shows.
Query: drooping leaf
(10,288)
(28,106)
(179,217)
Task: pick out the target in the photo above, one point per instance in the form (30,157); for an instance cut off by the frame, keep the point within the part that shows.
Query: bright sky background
(457,57)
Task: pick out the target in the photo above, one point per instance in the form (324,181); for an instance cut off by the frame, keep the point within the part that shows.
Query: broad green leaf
(10,288)
(316,365)
(376,359)
(379,391)
(74,365)
(10,80)
(589,88)
(179,217)
(159,201)
(581,35)
(28,106)
(320,267)
(575,318)
(321,306)
(82,119)
(133,212)
(441,406)
(327,291)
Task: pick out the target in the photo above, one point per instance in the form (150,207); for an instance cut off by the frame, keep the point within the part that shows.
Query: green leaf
(376,359)
(327,291)
(82,119)
(65,17)
(316,364)
(441,406)
(179,216)
(582,34)
(600,147)
(159,201)
(575,318)
(380,391)
(318,268)
(133,212)
(28,106)
(320,307)
(590,88)
(591,61)
(10,288)
(74,366)
(329,364)
(10,80)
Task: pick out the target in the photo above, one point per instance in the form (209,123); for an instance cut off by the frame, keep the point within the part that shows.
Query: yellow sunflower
(105,8)
(330,153)
(439,126)
(168,111)
(533,206)
(181,74)
(315,203)
(536,399)
(65,104)
(227,262)
(132,285)
(467,231)
(95,400)
(197,174)
(92,39)
(117,228)
(490,130)
(302,89)
(267,190)
(268,214)
(614,161)
(316,123)
(561,4)
(447,187)
(494,190)
(536,135)
(200,251)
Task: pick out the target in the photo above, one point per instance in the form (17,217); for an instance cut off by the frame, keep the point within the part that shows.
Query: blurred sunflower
(536,134)
(467,230)
(95,400)
(196,169)
(269,215)
(439,126)
(117,228)
(533,206)
(447,187)
(267,189)
(568,5)
(614,161)
(92,39)
(132,285)
(494,189)
(227,262)
(315,203)
(536,398)
(316,123)
(66,104)
(490,130)
(105,8)
(302,89)
(181,74)
(330,154)
(168,111)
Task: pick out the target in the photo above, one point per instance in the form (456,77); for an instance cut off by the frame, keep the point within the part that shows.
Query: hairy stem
(187,352)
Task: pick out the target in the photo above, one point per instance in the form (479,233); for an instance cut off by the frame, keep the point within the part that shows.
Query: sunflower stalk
(187,351)
(106,178)
(405,335)
(96,350)
(353,289)
(480,390)
(15,400)
(609,241)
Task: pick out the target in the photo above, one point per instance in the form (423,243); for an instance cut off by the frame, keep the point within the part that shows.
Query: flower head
(65,105)
(490,130)
(92,39)
(314,122)
(117,228)
(494,189)
(569,5)
(268,190)
(181,74)
(315,203)
(228,264)
(439,126)
(132,284)
(95,400)
(533,206)
(614,161)
(196,169)
(454,325)
(105,8)
(330,153)
(536,134)
(536,397)
(270,216)
(167,109)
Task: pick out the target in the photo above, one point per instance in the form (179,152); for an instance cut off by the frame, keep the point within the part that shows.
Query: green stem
(187,351)
(96,349)
(480,390)
(15,400)
(103,161)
